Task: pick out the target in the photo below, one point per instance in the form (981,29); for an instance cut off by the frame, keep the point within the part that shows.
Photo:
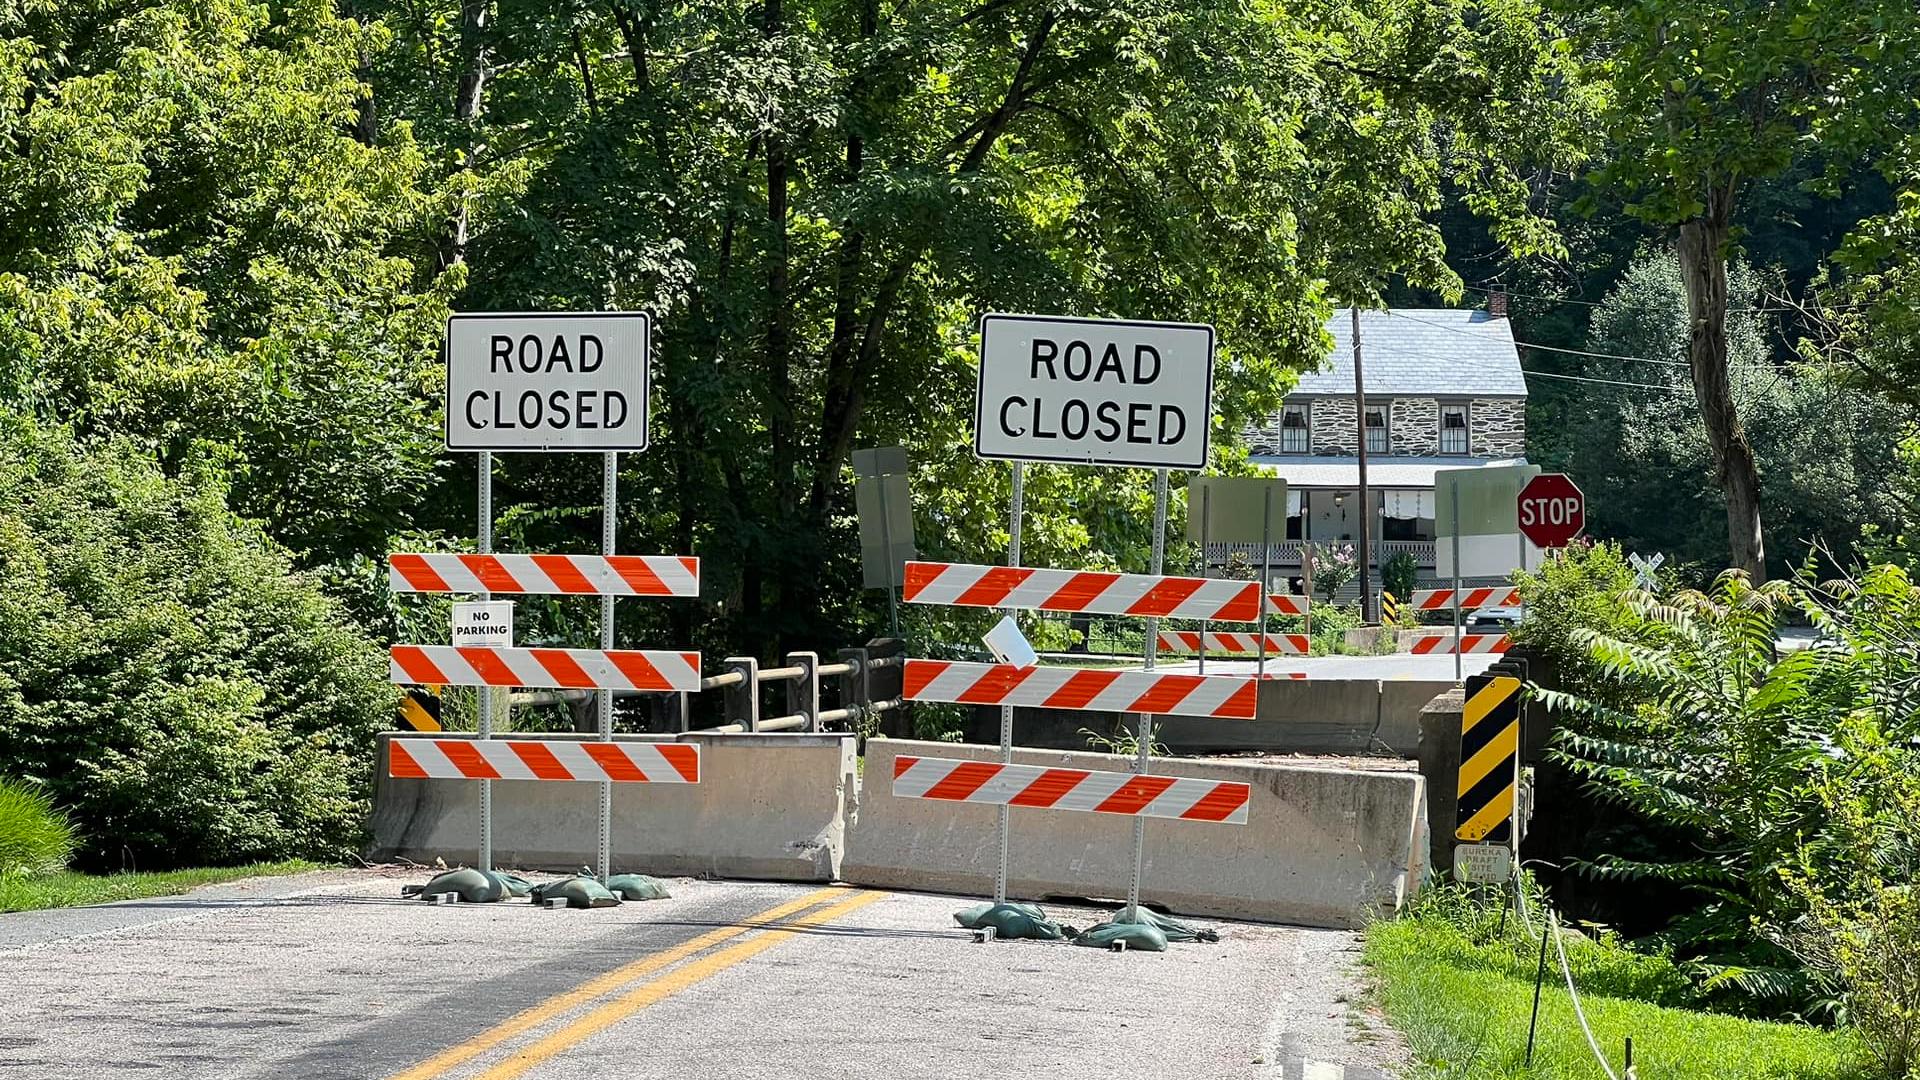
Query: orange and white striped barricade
(655,670)
(542,759)
(553,575)
(1288,604)
(1465,599)
(1228,697)
(1194,641)
(1081,592)
(1440,643)
(1042,787)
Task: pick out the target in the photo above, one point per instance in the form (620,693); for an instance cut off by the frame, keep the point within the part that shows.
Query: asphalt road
(332,975)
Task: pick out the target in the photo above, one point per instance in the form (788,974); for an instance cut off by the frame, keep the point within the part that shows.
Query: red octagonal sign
(1552,510)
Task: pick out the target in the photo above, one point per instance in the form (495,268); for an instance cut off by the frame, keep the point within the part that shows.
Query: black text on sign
(1091,391)
(547,381)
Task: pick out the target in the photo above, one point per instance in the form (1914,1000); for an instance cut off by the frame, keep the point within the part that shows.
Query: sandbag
(578,892)
(1144,936)
(638,887)
(1011,921)
(472,886)
(1175,930)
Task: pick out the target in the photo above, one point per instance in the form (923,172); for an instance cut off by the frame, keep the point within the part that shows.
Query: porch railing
(1287,552)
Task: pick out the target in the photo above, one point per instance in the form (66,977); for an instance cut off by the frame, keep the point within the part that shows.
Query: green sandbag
(1011,921)
(1175,930)
(578,892)
(472,886)
(638,887)
(1143,936)
(515,884)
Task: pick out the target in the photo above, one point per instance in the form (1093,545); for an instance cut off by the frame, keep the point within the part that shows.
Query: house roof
(1442,352)
(1330,471)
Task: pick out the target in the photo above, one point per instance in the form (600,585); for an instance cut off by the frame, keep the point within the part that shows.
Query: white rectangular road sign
(484,623)
(1490,542)
(1094,391)
(1482,863)
(548,381)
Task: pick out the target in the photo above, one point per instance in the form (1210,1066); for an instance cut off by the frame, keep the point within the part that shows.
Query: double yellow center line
(638,994)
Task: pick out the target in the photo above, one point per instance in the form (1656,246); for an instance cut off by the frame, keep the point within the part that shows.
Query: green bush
(1399,574)
(1771,774)
(163,672)
(35,838)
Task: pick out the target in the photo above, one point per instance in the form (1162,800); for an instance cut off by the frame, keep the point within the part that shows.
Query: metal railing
(1421,550)
(867,680)
(864,683)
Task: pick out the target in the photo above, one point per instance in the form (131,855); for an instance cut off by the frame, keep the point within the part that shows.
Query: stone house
(1444,390)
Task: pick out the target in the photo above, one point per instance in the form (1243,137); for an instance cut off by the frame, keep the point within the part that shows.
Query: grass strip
(1464,1007)
(68,888)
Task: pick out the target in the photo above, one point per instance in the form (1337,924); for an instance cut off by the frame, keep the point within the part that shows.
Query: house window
(1376,429)
(1293,430)
(1453,429)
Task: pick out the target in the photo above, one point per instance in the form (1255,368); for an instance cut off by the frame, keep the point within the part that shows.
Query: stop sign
(1552,510)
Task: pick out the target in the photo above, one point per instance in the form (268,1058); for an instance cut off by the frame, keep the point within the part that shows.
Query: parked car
(1495,618)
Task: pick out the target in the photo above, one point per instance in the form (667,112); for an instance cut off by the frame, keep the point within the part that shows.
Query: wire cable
(1578,1012)
(1606,382)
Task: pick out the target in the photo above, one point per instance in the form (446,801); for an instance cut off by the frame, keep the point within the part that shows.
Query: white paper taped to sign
(1009,646)
(548,381)
(483,623)
(1094,391)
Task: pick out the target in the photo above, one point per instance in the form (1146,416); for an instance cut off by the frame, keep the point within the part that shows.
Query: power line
(1605,356)
(1669,388)
(1555,348)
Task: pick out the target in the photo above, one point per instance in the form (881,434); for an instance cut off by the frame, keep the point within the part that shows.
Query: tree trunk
(476,28)
(841,413)
(779,336)
(1703,264)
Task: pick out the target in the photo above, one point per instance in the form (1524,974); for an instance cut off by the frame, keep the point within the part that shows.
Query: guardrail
(868,681)
(864,683)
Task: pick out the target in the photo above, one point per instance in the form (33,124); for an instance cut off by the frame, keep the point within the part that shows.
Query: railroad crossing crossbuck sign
(1552,509)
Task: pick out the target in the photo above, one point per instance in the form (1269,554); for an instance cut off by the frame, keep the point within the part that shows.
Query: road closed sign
(548,381)
(1094,391)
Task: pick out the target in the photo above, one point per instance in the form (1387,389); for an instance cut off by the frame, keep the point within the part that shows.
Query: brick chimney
(1497,300)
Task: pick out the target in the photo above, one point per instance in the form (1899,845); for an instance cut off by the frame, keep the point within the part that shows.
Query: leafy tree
(1709,98)
(819,198)
(196,253)
(164,675)
(1828,451)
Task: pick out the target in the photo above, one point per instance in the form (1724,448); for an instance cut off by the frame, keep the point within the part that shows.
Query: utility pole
(1366,507)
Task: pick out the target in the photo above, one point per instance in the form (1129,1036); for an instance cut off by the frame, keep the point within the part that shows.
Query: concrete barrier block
(1295,716)
(1322,847)
(772,807)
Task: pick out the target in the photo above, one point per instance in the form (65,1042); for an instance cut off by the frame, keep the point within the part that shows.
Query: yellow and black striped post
(1489,760)
(420,709)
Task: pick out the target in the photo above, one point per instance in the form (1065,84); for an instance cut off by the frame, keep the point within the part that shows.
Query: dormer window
(1453,429)
(1294,433)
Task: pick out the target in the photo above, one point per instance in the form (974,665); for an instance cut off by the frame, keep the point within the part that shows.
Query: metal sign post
(1206,571)
(1458,664)
(609,490)
(1006,711)
(484,696)
(1142,753)
(1266,577)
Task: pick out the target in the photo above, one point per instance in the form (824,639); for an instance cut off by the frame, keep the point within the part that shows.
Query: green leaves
(1685,712)
(164,674)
